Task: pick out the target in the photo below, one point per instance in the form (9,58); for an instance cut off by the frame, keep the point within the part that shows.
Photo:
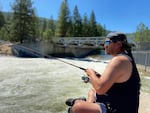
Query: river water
(38,85)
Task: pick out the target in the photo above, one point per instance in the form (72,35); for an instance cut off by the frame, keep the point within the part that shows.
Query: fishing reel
(85,79)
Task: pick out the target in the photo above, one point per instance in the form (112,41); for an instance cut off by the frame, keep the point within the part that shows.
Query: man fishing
(117,89)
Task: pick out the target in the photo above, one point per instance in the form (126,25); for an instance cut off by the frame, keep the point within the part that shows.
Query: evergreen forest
(22,24)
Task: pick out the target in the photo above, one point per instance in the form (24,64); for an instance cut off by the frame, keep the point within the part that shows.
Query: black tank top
(124,97)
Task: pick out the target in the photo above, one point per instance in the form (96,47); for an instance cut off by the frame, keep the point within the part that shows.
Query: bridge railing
(80,41)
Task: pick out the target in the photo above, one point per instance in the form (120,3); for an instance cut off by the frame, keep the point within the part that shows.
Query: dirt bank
(5,49)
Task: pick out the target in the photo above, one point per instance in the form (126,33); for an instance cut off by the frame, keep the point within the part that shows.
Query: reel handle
(86,79)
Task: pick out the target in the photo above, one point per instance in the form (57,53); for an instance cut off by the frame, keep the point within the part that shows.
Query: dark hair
(117,36)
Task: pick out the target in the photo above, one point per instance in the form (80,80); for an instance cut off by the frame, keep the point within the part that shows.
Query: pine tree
(77,23)
(52,26)
(93,24)
(49,29)
(63,20)
(24,20)
(44,29)
(70,31)
(85,26)
(2,20)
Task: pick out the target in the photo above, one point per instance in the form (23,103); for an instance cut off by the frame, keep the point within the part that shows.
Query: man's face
(107,45)
(112,47)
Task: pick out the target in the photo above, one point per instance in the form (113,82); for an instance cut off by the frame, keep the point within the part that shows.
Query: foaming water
(38,85)
(29,85)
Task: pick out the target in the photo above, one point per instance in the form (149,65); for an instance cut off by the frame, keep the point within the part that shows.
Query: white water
(41,85)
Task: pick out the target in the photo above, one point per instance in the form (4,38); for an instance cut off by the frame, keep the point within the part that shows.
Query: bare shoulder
(119,64)
(120,60)
(123,67)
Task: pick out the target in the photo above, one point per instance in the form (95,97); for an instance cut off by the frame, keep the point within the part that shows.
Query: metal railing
(80,41)
(142,58)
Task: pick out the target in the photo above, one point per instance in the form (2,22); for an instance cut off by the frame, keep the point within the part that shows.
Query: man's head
(115,42)
(117,36)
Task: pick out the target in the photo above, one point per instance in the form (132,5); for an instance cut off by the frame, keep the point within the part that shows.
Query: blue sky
(116,15)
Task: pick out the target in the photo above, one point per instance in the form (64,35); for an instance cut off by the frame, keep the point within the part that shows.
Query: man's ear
(119,43)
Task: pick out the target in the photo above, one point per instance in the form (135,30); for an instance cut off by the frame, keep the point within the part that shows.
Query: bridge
(61,47)
(82,42)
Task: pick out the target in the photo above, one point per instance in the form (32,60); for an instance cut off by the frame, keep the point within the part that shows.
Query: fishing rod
(84,78)
(66,62)
(47,56)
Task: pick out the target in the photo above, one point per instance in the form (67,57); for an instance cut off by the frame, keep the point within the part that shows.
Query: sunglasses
(107,42)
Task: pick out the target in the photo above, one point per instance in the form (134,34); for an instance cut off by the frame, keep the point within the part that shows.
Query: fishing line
(49,56)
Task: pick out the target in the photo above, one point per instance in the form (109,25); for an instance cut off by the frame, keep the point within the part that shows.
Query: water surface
(37,85)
